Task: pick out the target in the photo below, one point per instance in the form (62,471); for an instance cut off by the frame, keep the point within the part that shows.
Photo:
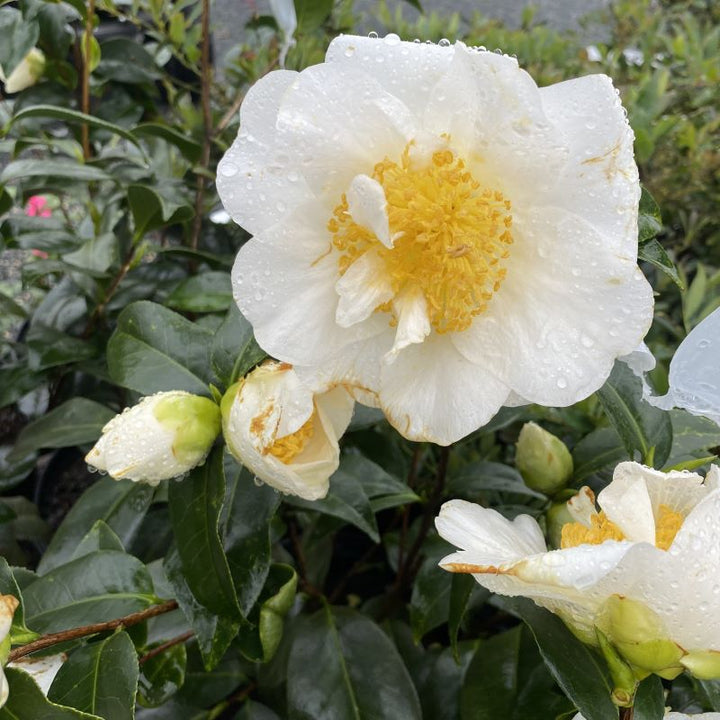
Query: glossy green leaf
(162,675)
(126,61)
(640,426)
(600,449)
(152,208)
(342,665)
(649,217)
(58,169)
(383,489)
(430,599)
(27,702)
(121,504)
(195,506)
(234,349)
(75,422)
(95,255)
(650,700)
(73,117)
(261,643)
(99,537)
(247,535)
(311,14)
(212,632)
(19,38)
(580,673)
(187,146)
(100,586)
(154,349)
(19,632)
(209,292)
(712,690)
(479,478)
(654,253)
(100,678)
(461,588)
(16,382)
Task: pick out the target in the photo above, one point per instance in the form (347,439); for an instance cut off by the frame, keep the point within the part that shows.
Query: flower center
(286,448)
(667,524)
(451,236)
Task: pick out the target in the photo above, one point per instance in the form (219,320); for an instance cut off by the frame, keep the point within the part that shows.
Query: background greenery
(288,609)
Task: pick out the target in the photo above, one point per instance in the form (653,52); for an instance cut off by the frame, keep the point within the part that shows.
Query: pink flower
(36,207)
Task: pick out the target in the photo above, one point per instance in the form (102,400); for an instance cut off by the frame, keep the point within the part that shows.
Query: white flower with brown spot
(434,229)
(8,605)
(644,570)
(285,433)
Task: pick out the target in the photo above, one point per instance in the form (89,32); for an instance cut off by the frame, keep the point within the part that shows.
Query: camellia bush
(358,376)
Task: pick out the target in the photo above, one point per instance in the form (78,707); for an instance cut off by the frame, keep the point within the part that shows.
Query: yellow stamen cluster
(287,448)
(667,524)
(601,529)
(451,237)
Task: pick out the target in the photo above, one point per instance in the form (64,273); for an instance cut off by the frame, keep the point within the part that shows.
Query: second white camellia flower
(283,432)
(434,229)
(161,437)
(643,571)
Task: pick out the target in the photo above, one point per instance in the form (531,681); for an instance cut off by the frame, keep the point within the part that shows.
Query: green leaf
(127,61)
(97,587)
(260,643)
(49,347)
(209,292)
(247,535)
(383,489)
(100,678)
(59,169)
(478,478)
(154,349)
(16,382)
(252,710)
(461,588)
(654,253)
(311,14)
(712,690)
(96,255)
(187,146)
(122,504)
(162,675)
(578,671)
(649,217)
(195,506)
(212,632)
(99,537)
(234,349)
(342,665)
(650,700)
(19,38)
(72,116)
(75,422)
(152,208)
(430,600)
(27,702)
(598,450)
(19,632)
(640,426)
(9,307)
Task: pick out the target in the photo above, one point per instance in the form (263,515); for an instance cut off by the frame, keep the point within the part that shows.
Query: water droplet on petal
(228,169)
(444,42)
(349,51)
(392,39)
(562,383)
(258,481)
(373,35)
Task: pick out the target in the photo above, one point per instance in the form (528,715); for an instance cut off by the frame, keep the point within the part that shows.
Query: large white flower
(645,571)
(283,432)
(161,437)
(432,227)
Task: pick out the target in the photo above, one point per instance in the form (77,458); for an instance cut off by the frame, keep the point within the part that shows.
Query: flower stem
(63,636)
(166,646)
(86,65)
(627,713)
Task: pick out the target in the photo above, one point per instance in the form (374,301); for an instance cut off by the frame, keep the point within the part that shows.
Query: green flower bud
(542,459)
(703,664)
(557,516)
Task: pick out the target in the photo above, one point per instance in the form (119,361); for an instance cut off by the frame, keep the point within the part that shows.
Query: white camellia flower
(161,437)
(434,229)
(26,74)
(678,716)
(8,605)
(283,432)
(645,571)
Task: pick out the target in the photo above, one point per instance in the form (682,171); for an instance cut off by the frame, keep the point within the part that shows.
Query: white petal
(582,506)
(627,504)
(368,207)
(41,669)
(567,308)
(256,184)
(413,323)
(335,408)
(362,288)
(4,688)
(284,283)
(404,69)
(431,393)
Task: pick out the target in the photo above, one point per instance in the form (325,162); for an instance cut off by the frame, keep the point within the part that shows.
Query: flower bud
(26,73)
(703,664)
(542,459)
(161,437)
(283,432)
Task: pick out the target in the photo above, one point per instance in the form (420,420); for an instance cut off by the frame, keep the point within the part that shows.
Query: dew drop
(258,482)
(417,40)
(562,383)
(392,39)
(373,35)
(444,42)
(349,51)
(586,341)
(293,176)
(92,469)
(703,343)
(281,206)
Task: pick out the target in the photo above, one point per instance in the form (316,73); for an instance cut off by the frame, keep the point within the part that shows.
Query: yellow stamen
(602,529)
(667,525)
(451,237)
(286,448)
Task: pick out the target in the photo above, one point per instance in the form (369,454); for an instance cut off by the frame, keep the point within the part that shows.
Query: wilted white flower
(643,571)
(161,437)
(26,74)
(41,669)
(283,432)
(433,228)
(8,605)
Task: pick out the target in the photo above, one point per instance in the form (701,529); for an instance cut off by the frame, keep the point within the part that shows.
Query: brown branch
(59,637)
(165,646)
(85,106)
(205,83)
(627,713)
